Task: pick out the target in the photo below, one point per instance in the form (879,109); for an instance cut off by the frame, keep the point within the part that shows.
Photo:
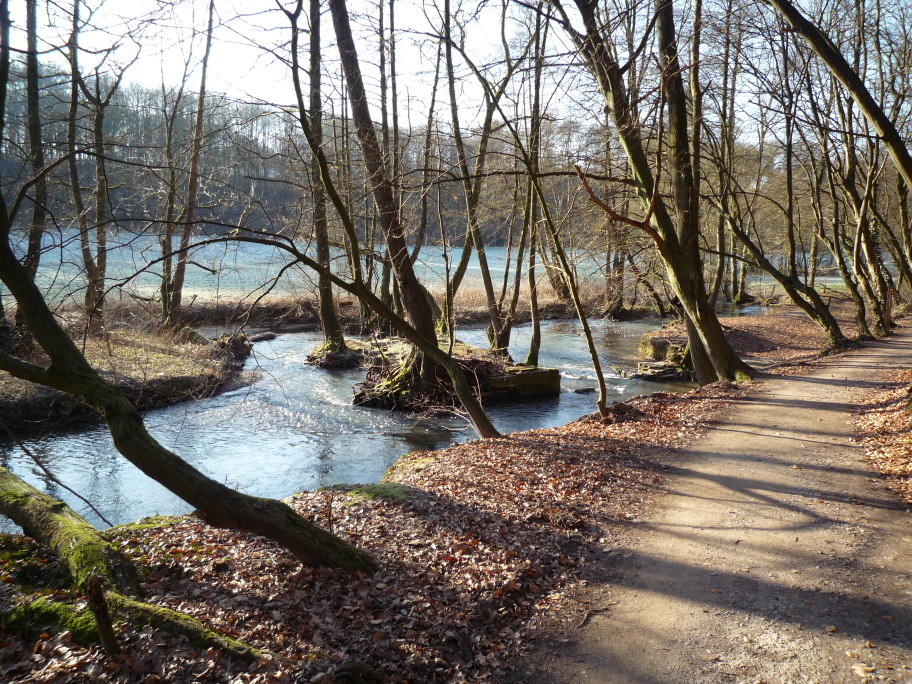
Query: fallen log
(98,571)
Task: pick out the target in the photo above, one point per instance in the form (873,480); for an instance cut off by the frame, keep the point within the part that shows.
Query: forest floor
(502,560)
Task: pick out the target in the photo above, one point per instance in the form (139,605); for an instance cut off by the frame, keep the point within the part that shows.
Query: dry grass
(152,368)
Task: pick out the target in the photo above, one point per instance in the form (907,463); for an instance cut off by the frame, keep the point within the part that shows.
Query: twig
(618,218)
(593,611)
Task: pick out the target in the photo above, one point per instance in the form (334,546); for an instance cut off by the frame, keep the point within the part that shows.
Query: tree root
(33,616)
(327,355)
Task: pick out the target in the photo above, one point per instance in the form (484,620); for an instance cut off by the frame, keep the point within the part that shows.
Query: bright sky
(249,43)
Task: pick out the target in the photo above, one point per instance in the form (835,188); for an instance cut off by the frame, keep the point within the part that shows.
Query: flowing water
(295,428)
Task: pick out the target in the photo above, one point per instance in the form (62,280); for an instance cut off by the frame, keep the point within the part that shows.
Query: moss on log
(173,622)
(96,569)
(66,533)
(31,617)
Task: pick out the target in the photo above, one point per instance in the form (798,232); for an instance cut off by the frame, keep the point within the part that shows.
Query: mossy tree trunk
(67,534)
(98,571)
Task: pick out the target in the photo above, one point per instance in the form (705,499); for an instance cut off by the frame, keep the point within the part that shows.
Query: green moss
(384,490)
(150,523)
(31,618)
(741,376)
(328,355)
(81,549)
(408,463)
(142,614)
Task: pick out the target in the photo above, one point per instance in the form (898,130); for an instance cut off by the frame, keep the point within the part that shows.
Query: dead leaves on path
(883,425)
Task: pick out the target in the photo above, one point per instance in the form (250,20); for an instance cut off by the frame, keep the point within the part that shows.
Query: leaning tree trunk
(415,298)
(70,372)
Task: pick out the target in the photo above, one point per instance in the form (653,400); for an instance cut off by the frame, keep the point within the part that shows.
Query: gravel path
(775,556)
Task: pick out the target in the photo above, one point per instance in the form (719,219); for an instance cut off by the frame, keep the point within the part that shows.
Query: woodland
(685,149)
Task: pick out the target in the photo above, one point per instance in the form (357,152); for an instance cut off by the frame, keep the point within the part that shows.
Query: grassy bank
(153,369)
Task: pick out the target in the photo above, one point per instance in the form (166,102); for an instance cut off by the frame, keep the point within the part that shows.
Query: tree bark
(334,340)
(826,50)
(415,297)
(70,372)
(675,238)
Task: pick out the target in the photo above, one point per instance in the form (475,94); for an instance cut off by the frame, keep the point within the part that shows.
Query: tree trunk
(98,571)
(189,216)
(333,339)
(415,297)
(70,372)
(36,143)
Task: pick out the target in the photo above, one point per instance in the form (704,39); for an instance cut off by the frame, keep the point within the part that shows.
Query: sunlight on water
(295,428)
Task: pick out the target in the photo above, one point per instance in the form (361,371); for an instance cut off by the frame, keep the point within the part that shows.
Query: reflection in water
(296,429)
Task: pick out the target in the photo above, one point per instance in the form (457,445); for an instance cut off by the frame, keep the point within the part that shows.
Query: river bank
(481,546)
(157,368)
(152,369)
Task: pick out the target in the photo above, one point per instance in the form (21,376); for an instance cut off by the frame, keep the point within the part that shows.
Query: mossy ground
(356,354)
(34,616)
(393,491)
(414,461)
(150,523)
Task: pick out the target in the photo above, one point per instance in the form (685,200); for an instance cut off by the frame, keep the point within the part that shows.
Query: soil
(774,554)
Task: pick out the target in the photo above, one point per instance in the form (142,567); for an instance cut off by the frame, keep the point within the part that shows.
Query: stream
(294,428)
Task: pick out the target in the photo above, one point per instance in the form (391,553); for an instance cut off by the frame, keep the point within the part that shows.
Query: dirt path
(776,556)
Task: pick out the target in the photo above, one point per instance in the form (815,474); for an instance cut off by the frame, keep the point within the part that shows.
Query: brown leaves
(883,426)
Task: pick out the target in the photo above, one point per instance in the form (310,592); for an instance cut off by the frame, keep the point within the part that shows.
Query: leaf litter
(487,537)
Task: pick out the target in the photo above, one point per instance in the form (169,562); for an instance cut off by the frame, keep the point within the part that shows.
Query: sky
(250,42)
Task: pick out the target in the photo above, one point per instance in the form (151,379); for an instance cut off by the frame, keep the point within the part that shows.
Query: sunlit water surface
(295,428)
